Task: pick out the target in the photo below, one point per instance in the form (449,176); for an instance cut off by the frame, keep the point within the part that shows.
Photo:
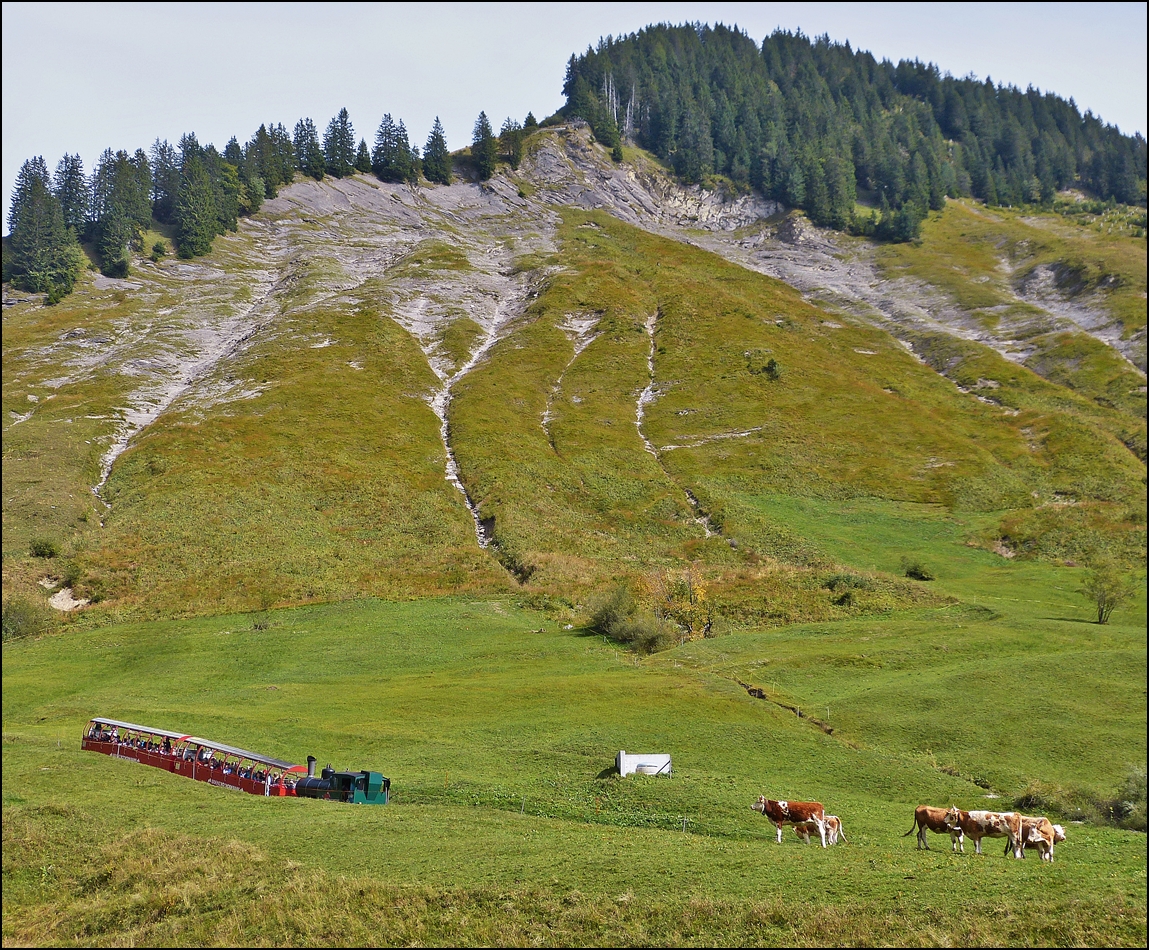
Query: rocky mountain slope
(318,392)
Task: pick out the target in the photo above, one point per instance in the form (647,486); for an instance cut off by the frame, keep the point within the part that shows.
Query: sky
(82,77)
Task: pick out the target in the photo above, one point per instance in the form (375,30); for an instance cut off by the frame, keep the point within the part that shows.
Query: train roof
(135,727)
(209,743)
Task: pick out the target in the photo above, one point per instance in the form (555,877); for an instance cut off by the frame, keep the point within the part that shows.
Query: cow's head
(952,817)
(760,805)
(1058,833)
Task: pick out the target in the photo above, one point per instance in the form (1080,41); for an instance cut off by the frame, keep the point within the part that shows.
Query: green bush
(610,610)
(616,614)
(71,574)
(23,618)
(843,581)
(1128,810)
(44,547)
(916,569)
(159,249)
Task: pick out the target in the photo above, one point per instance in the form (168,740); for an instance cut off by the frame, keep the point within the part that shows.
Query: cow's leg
(821,826)
(977,845)
(779,834)
(923,844)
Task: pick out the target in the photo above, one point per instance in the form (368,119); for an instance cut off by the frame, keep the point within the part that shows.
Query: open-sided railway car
(228,766)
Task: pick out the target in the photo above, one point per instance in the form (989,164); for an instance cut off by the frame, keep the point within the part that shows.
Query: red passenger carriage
(193,757)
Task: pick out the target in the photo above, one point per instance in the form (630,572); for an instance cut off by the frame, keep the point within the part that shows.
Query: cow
(833,830)
(988,824)
(1041,834)
(927,818)
(792,813)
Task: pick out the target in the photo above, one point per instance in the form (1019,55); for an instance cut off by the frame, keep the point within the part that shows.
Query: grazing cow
(1041,834)
(927,818)
(988,824)
(833,830)
(793,813)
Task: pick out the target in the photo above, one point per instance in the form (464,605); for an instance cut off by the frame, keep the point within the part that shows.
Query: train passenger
(167,745)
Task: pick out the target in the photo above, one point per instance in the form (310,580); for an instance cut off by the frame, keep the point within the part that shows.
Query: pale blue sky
(84,77)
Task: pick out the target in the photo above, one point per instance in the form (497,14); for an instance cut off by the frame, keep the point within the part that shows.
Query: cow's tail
(842,832)
(913,828)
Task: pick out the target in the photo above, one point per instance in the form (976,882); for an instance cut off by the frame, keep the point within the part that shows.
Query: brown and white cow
(1039,833)
(928,818)
(833,830)
(792,813)
(988,824)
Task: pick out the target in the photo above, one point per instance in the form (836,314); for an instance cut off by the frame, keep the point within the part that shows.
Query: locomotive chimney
(311,766)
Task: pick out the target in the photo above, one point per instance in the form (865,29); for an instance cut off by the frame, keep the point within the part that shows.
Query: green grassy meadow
(498,728)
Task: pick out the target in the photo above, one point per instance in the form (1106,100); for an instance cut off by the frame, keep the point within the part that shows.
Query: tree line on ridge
(812,123)
(203,192)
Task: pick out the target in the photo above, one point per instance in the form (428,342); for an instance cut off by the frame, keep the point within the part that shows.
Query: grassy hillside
(583,490)
(498,730)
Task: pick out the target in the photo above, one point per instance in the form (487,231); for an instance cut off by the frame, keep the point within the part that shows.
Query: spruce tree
(436,157)
(308,153)
(484,147)
(165,180)
(71,188)
(32,171)
(511,142)
(196,218)
(339,146)
(363,158)
(43,256)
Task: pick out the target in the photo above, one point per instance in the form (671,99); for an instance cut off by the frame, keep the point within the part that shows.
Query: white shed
(644,763)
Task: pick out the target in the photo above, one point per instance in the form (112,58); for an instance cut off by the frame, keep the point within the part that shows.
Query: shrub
(916,569)
(612,609)
(772,369)
(844,584)
(71,574)
(22,618)
(1128,809)
(1107,588)
(847,581)
(616,614)
(159,249)
(649,633)
(44,547)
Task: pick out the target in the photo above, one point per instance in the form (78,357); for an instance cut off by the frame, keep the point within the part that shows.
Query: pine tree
(71,188)
(530,122)
(196,218)
(32,171)
(436,157)
(484,147)
(122,205)
(363,158)
(308,153)
(165,180)
(393,159)
(43,256)
(339,146)
(511,142)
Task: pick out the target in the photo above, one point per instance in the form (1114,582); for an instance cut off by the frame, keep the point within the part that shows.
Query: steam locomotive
(356,788)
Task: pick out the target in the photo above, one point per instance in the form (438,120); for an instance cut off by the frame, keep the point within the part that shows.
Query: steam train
(229,767)
(356,788)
